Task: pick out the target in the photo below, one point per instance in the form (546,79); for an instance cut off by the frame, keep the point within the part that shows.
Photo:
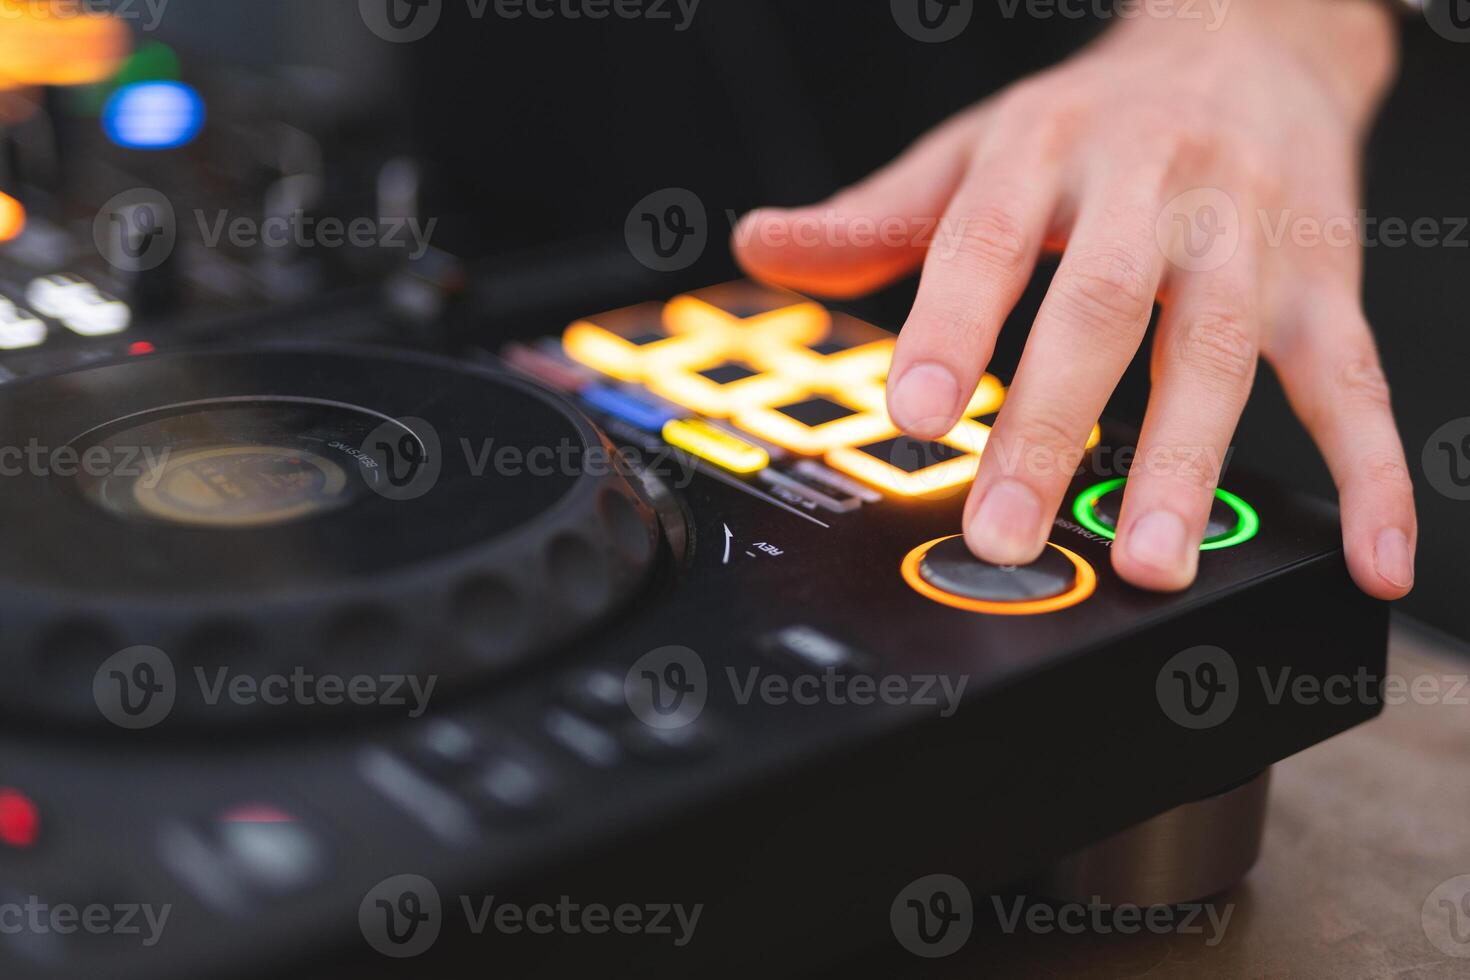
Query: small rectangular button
(817,473)
(719,447)
(825,501)
(557,372)
(508,787)
(809,647)
(628,407)
(583,739)
(19,329)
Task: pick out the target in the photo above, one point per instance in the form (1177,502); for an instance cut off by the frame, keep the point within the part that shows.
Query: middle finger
(1088,330)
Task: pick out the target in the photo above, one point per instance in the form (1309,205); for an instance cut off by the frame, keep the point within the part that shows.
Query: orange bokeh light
(12,218)
(58,44)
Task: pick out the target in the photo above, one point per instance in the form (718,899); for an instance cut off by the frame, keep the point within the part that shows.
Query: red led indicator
(256,813)
(20,820)
(140,347)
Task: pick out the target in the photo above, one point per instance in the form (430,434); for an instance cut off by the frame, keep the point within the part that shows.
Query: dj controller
(326,639)
(722,510)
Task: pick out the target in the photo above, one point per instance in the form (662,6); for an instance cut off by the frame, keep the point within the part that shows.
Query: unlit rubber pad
(1223,518)
(950,566)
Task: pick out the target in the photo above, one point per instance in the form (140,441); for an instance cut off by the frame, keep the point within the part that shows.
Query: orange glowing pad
(632,344)
(719,388)
(853,352)
(58,44)
(987,399)
(802,323)
(986,421)
(744,298)
(908,467)
(814,423)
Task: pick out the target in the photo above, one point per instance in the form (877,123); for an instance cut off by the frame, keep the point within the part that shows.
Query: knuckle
(1024,102)
(1043,114)
(1167,133)
(1385,469)
(1106,286)
(1043,446)
(1360,378)
(947,324)
(994,238)
(1219,347)
(1258,175)
(1193,468)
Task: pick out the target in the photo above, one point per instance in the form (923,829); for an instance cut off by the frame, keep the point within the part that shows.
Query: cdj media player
(660,617)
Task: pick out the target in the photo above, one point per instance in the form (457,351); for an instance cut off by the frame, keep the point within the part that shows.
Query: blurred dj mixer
(162,207)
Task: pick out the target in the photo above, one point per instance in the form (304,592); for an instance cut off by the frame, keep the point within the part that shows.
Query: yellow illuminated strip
(602,350)
(786,432)
(1085,585)
(49,44)
(716,445)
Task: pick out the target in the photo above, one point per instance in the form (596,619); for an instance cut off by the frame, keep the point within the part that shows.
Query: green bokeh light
(153,61)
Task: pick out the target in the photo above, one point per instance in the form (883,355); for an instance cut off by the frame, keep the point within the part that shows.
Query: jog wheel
(325,512)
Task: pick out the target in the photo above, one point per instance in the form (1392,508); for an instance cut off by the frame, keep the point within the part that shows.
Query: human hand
(1112,157)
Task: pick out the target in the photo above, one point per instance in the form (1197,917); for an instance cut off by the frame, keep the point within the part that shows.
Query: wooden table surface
(1361,830)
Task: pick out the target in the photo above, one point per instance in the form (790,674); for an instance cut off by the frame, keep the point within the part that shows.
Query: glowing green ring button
(1247,524)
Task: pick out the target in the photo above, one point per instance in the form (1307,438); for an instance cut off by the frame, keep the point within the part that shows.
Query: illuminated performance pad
(779,375)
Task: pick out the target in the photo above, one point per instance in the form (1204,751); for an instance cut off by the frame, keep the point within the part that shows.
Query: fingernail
(1005,528)
(1160,540)
(922,401)
(1392,558)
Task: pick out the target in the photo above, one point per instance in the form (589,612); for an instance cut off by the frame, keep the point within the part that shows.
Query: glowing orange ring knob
(1085,585)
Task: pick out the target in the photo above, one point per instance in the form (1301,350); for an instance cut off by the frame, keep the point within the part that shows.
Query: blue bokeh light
(153,115)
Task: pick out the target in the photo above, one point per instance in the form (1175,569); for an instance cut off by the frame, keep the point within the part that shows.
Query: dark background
(541,135)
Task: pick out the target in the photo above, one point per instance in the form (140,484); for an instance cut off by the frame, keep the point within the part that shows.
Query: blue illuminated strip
(630,408)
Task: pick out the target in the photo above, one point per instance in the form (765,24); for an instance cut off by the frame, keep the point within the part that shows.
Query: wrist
(1352,45)
(1349,46)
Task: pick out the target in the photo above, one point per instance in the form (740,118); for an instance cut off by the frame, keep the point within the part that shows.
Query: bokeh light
(153,115)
